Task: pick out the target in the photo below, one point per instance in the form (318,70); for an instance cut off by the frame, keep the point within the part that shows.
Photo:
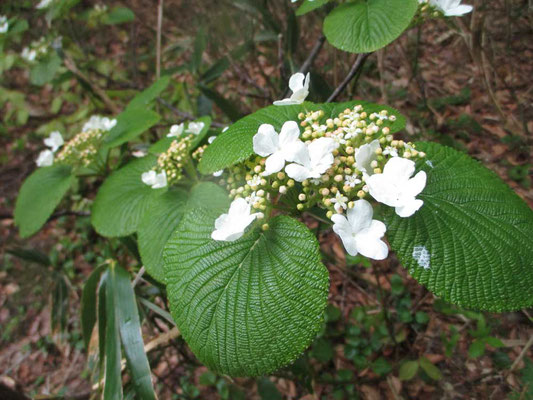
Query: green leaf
(130,124)
(364,26)
(471,242)
(45,70)
(30,255)
(149,94)
(227,107)
(494,342)
(113,353)
(39,195)
(89,304)
(408,370)
(200,43)
(476,349)
(119,15)
(236,144)
(248,307)
(163,217)
(124,199)
(130,332)
(310,5)
(267,390)
(431,370)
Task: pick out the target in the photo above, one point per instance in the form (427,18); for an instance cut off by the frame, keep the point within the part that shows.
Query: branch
(185,115)
(158,38)
(71,66)
(58,214)
(356,68)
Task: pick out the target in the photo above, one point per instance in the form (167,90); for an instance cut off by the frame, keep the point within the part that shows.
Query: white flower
(54,141)
(299,84)
(255,181)
(4,24)
(231,226)
(318,159)
(360,233)
(155,180)
(218,173)
(395,187)
(43,4)
(339,202)
(45,158)
(451,8)
(253,198)
(97,122)
(390,151)
(195,127)
(352,181)
(139,153)
(279,148)
(211,139)
(176,130)
(365,155)
(28,55)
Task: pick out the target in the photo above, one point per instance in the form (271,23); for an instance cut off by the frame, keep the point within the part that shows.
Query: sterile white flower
(231,226)
(43,4)
(395,187)
(299,84)
(365,155)
(4,24)
(28,55)
(339,202)
(318,159)
(155,180)
(451,8)
(195,127)
(97,122)
(279,148)
(176,130)
(54,141)
(45,158)
(360,233)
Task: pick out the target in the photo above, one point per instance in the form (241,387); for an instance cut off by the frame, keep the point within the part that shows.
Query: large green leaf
(163,217)
(131,123)
(89,303)
(472,241)
(39,196)
(363,26)
(310,5)
(247,307)
(123,199)
(236,144)
(130,332)
(113,352)
(143,98)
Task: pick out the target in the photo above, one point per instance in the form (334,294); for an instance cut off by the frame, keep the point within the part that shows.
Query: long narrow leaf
(130,333)
(88,304)
(113,354)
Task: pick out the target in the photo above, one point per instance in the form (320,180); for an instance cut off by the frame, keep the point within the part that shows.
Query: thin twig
(56,215)
(521,355)
(356,68)
(71,66)
(185,115)
(138,276)
(158,45)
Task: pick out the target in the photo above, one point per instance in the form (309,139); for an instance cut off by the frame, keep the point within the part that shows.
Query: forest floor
(478,101)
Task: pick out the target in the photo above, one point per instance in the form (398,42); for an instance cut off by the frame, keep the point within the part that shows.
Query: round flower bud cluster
(82,149)
(175,159)
(360,144)
(36,50)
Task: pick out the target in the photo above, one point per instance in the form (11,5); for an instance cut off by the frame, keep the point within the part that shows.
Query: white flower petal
(409,208)
(265,141)
(365,155)
(290,132)
(298,172)
(231,226)
(45,158)
(274,163)
(54,141)
(360,216)
(148,178)
(286,102)
(296,81)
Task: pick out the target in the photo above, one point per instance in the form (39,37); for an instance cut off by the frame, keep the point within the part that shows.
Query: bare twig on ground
(356,68)
(138,276)
(520,356)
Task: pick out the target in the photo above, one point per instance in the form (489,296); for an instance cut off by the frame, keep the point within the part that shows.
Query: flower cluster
(81,150)
(4,24)
(335,163)
(37,49)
